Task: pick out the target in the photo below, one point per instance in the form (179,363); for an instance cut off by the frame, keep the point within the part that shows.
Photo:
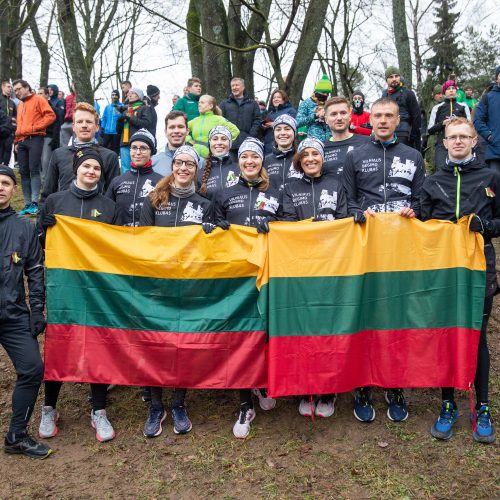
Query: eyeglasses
(189,164)
(461,138)
(141,149)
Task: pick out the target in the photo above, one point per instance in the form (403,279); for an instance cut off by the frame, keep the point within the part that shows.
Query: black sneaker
(26,445)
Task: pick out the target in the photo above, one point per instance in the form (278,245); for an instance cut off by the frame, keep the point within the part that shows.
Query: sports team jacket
(224,174)
(336,151)
(21,255)
(383,178)
(442,111)
(245,205)
(278,165)
(320,197)
(129,190)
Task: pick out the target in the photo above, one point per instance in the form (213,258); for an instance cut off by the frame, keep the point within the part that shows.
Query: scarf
(78,144)
(147,166)
(181,192)
(461,163)
(319,104)
(253,183)
(82,193)
(132,109)
(393,90)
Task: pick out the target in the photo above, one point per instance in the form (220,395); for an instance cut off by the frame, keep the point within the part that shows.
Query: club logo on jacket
(146,188)
(16,258)
(190,214)
(327,200)
(231,179)
(269,204)
(489,192)
(404,170)
(95,213)
(294,174)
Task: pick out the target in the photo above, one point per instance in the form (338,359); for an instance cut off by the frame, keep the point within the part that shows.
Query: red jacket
(34,115)
(359,120)
(70,107)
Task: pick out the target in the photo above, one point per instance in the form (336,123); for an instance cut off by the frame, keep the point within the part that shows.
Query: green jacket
(189,105)
(200,127)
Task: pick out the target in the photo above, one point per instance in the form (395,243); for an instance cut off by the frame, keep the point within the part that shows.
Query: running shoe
(25,209)
(306,407)
(24,444)
(182,424)
(484,433)
(398,409)
(265,402)
(48,423)
(103,429)
(363,406)
(242,426)
(325,407)
(443,428)
(156,416)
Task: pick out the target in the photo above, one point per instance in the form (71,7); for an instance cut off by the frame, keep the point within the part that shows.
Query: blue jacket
(109,118)
(306,117)
(487,122)
(272,114)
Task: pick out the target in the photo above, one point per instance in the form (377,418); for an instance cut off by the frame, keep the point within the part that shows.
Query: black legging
(157,394)
(483,361)
(99,392)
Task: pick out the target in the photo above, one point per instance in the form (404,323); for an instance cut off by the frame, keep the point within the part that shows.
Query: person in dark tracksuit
(251,202)
(219,171)
(19,326)
(84,201)
(464,186)
(130,189)
(383,176)
(278,163)
(174,203)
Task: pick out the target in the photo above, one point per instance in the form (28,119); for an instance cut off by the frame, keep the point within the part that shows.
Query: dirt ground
(286,455)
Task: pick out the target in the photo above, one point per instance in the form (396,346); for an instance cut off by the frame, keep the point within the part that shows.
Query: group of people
(364,164)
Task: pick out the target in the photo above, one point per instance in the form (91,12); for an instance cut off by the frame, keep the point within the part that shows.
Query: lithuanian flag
(152,306)
(391,303)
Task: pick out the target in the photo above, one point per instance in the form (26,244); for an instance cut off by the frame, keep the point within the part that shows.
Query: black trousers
(22,349)
(30,165)
(6,149)
(111,141)
(99,392)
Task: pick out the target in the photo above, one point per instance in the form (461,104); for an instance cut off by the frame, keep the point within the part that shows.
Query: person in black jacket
(408,130)
(84,201)
(134,116)
(463,186)
(60,173)
(8,106)
(219,171)
(243,111)
(250,202)
(173,203)
(278,164)
(19,326)
(383,176)
(130,189)
(448,108)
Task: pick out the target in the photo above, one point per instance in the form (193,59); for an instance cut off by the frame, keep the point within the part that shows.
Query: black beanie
(115,92)
(5,170)
(83,154)
(358,92)
(152,90)
(146,136)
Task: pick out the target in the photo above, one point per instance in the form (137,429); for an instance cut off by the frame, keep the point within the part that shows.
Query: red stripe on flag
(434,357)
(221,360)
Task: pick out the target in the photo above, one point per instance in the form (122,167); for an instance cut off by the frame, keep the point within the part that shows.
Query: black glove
(208,227)
(317,219)
(223,224)
(359,217)
(483,226)
(48,220)
(38,323)
(262,226)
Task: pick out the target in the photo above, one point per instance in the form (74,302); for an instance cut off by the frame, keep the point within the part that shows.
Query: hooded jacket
(129,191)
(383,178)
(194,209)
(455,191)
(188,104)
(34,115)
(57,104)
(306,117)
(320,197)
(336,151)
(245,205)
(21,255)
(60,170)
(142,118)
(110,118)
(441,112)
(280,169)
(487,122)
(224,174)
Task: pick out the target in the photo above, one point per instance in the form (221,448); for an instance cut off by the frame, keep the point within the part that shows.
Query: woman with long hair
(279,104)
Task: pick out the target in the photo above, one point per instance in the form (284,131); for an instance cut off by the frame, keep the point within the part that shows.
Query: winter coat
(320,197)
(455,191)
(200,127)
(273,113)
(21,256)
(142,118)
(359,120)
(443,111)
(110,119)
(223,174)
(487,122)
(130,189)
(245,205)
(57,104)
(383,178)
(188,104)
(246,115)
(336,151)
(306,117)
(194,209)
(34,115)
(60,170)
(70,107)
(280,169)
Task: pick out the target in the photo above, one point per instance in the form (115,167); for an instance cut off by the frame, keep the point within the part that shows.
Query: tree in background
(402,41)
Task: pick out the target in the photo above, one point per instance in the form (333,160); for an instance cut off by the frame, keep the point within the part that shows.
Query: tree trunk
(195,45)
(306,48)
(80,73)
(402,41)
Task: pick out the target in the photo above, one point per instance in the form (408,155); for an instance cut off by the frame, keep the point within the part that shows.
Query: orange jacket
(34,115)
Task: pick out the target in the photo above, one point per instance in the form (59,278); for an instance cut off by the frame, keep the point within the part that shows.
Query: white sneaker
(265,402)
(306,408)
(103,429)
(48,423)
(325,407)
(242,426)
